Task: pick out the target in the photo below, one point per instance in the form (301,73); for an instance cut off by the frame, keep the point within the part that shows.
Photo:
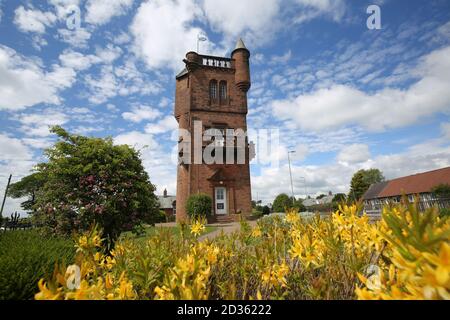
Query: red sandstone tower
(213,91)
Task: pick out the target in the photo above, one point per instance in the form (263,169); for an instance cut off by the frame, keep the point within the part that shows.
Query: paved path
(226,228)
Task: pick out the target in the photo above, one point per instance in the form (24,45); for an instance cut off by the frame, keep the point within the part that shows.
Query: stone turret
(241,56)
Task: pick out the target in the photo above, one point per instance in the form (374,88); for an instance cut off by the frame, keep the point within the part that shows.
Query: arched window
(223,91)
(213,90)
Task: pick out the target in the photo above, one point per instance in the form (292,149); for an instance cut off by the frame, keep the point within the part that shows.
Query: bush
(266,211)
(199,205)
(26,257)
(161,217)
(445,212)
(343,257)
(441,190)
(281,202)
(93,181)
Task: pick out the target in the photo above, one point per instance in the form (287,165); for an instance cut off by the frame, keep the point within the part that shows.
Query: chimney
(165,193)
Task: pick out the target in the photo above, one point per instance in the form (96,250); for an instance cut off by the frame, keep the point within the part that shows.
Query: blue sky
(341,95)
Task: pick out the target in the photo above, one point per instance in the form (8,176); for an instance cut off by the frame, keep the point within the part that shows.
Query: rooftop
(166,202)
(414,184)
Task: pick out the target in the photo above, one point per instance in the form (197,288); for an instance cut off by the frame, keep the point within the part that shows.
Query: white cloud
(136,139)
(86,130)
(301,152)
(336,177)
(445,129)
(77,60)
(38,124)
(33,20)
(141,113)
(100,12)
(38,143)
(119,81)
(108,54)
(76,38)
(281,59)
(165,102)
(255,21)
(122,38)
(13,149)
(342,105)
(355,153)
(112,108)
(103,87)
(166,124)
(80,110)
(156,160)
(63,7)
(16,158)
(311,9)
(163,32)
(24,83)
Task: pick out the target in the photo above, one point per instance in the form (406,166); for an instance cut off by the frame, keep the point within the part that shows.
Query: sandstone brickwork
(195,102)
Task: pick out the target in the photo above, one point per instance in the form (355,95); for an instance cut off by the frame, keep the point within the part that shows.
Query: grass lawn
(151,231)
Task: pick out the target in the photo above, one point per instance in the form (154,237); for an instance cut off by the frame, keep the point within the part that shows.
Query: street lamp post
(304,181)
(290,173)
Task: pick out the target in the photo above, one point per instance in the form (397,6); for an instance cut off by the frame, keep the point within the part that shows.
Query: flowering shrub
(280,258)
(417,257)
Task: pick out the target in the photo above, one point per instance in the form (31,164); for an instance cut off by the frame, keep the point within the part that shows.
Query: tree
(91,181)
(340,197)
(362,180)
(281,202)
(265,211)
(27,187)
(441,190)
(298,204)
(199,205)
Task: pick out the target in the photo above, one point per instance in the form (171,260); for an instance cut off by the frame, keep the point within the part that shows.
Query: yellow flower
(276,276)
(125,289)
(296,250)
(292,216)
(309,259)
(256,232)
(442,263)
(45,293)
(164,293)
(98,257)
(211,254)
(197,228)
(87,292)
(364,294)
(186,265)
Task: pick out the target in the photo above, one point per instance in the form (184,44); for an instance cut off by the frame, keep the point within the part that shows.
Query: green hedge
(25,258)
(199,205)
(445,212)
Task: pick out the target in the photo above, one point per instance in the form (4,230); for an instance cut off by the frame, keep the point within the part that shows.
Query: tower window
(213,90)
(223,91)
